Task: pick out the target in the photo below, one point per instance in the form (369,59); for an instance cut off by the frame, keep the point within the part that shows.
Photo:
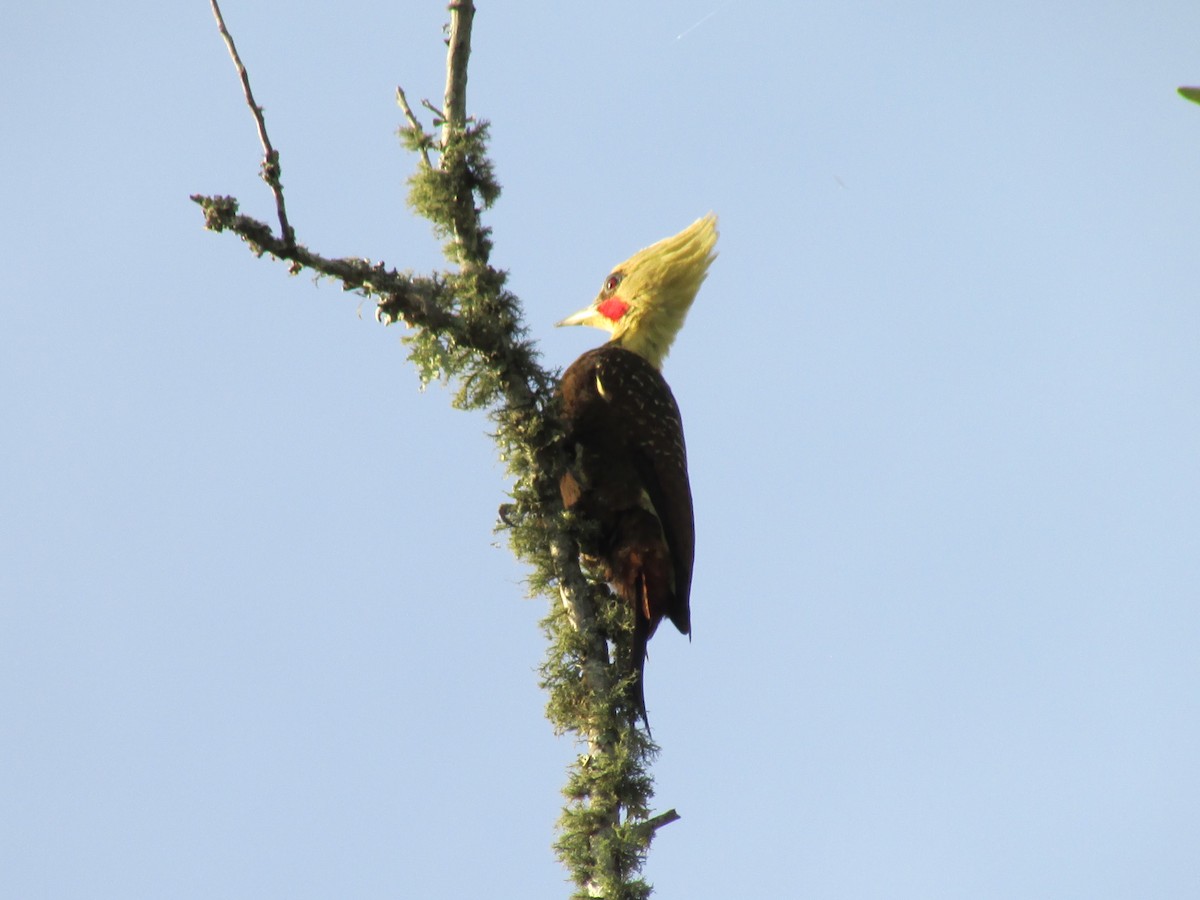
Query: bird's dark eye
(610,283)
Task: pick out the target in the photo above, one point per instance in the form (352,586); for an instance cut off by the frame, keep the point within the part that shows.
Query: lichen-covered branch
(467,328)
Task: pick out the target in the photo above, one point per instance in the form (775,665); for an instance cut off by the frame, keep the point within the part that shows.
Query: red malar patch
(612,308)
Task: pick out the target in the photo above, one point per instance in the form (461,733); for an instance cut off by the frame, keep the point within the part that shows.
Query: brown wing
(621,406)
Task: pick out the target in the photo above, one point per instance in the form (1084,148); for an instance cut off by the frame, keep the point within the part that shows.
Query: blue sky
(257,637)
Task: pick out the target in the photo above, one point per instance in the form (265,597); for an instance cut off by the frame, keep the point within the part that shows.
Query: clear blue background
(257,638)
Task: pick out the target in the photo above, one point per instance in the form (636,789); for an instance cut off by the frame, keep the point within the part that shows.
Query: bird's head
(645,299)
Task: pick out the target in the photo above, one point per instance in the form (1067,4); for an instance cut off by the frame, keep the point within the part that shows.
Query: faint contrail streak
(701,22)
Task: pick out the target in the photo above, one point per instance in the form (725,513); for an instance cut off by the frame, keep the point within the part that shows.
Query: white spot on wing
(648,504)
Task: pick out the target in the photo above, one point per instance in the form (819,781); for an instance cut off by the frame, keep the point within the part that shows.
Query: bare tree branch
(271,169)
(462,16)
(439,116)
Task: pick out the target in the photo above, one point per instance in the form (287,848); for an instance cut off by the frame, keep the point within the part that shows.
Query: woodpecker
(627,469)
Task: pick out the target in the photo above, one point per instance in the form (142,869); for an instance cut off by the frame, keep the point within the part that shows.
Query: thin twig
(414,124)
(439,117)
(270,166)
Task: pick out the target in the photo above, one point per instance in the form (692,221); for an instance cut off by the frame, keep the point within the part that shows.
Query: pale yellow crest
(659,285)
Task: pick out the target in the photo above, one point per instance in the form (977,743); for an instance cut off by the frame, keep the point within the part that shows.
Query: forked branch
(270,170)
